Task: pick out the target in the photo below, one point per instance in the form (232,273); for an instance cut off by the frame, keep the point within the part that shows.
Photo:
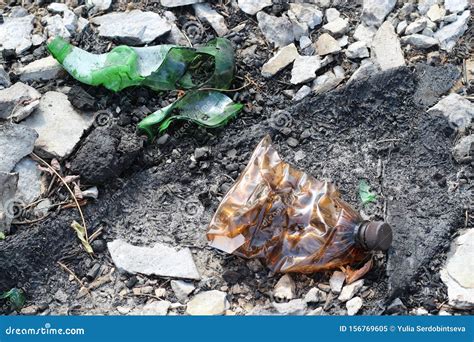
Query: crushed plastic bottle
(292,221)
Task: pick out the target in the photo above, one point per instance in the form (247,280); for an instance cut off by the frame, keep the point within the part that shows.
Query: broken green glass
(364,192)
(16,298)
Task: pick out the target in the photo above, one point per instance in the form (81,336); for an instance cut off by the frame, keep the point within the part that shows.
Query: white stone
(57,7)
(436,13)
(18,101)
(159,260)
(30,182)
(70,21)
(134,27)
(420,41)
(59,125)
(208,303)
(401,27)
(326,45)
(337,27)
(375,11)
(216,20)
(285,288)
(37,39)
(315,295)
(55,27)
(304,69)
(386,49)
(416,26)
(462,150)
(182,289)
(365,33)
(326,82)
(155,308)
(277,30)
(458,110)
(458,271)
(15,33)
(253,6)
(366,69)
(336,281)
(353,306)
(332,14)
(343,41)
(305,41)
(43,69)
(425,5)
(449,34)
(176,3)
(282,58)
(301,94)
(307,13)
(357,50)
(455,6)
(350,290)
(293,307)
(98,5)
(300,29)
(16,142)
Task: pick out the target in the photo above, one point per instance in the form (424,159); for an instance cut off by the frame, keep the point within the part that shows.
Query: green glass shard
(15,297)
(364,192)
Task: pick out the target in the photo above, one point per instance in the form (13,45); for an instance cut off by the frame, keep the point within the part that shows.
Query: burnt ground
(376,129)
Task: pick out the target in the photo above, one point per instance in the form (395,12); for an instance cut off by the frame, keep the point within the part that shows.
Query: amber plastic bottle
(292,221)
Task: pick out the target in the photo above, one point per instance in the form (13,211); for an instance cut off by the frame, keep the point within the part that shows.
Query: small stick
(68,270)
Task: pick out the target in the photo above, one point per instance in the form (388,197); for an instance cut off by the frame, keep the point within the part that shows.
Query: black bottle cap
(375,235)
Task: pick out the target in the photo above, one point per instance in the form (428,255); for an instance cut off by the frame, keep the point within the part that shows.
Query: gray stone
(207,14)
(401,27)
(367,68)
(134,27)
(420,41)
(293,307)
(357,50)
(350,290)
(337,27)
(30,183)
(307,13)
(277,30)
(436,13)
(300,29)
(305,41)
(450,18)
(55,27)
(416,26)
(98,5)
(43,69)
(182,289)
(155,308)
(37,39)
(353,306)
(425,5)
(375,11)
(16,142)
(18,101)
(365,33)
(315,295)
(282,58)
(253,6)
(304,69)
(326,82)
(8,184)
(285,288)
(70,21)
(15,33)
(455,6)
(449,34)
(336,281)
(208,303)
(302,93)
(428,33)
(326,45)
(464,148)
(343,41)
(386,48)
(458,110)
(4,78)
(159,260)
(42,207)
(332,14)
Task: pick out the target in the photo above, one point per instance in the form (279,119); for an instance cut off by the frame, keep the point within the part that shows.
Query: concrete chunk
(386,48)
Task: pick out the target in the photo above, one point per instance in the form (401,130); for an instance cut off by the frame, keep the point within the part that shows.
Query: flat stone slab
(386,48)
(58,124)
(43,69)
(15,33)
(16,141)
(18,101)
(30,182)
(160,260)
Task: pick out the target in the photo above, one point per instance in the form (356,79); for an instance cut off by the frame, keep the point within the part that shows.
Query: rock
(458,270)
(207,14)
(37,39)
(416,26)
(133,28)
(396,307)
(375,11)
(4,78)
(155,308)
(304,69)
(332,14)
(300,29)
(57,7)
(326,45)
(182,289)
(176,37)
(326,82)
(386,48)
(292,142)
(315,295)
(435,82)
(208,303)
(336,281)
(350,290)
(61,296)
(176,3)
(277,30)
(70,21)
(59,125)
(302,93)
(159,260)
(464,148)
(458,110)
(18,101)
(16,142)
(42,207)
(401,27)
(337,27)
(29,310)
(285,288)
(15,33)
(365,33)
(366,69)
(307,13)
(8,184)
(449,34)
(353,306)
(316,312)
(357,50)
(419,41)
(455,6)
(284,57)
(30,183)
(43,69)
(343,41)
(436,13)
(98,5)
(253,6)
(55,26)
(425,5)
(293,307)
(305,41)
